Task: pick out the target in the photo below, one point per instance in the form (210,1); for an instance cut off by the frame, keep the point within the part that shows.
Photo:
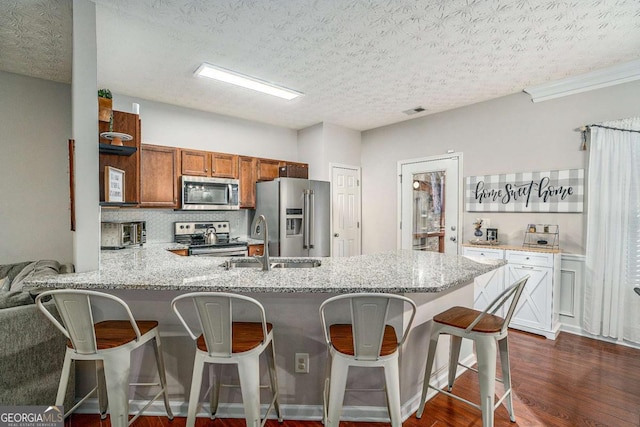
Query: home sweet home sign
(549,191)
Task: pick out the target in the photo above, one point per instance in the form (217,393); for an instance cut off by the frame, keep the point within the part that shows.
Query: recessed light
(228,76)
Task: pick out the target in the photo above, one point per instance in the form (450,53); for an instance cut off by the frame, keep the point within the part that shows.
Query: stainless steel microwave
(203,193)
(122,234)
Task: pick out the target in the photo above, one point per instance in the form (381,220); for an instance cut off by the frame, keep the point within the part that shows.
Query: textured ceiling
(359,63)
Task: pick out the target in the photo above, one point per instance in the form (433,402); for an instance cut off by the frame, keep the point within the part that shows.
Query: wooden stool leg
(486,348)
(433,344)
(506,376)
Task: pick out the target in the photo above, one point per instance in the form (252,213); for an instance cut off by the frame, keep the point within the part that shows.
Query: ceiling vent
(414,111)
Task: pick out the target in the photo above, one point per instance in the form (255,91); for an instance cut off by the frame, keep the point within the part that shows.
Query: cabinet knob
(336,235)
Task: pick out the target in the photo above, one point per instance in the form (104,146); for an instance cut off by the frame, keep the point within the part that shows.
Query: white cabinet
(537,310)
(488,286)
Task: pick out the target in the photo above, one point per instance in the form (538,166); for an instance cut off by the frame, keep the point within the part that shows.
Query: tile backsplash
(160,221)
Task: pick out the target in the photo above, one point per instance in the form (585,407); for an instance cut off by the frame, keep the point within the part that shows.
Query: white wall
(509,134)
(35,120)
(325,143)
(343,145)
(311,149)
(86,239)
(170,125)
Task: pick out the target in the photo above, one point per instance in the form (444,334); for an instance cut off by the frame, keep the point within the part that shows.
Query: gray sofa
(31,348)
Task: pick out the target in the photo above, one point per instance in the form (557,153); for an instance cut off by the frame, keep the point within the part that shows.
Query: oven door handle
(238,251)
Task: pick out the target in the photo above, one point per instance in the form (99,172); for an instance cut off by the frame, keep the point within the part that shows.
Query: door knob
(453,238)
(336,235)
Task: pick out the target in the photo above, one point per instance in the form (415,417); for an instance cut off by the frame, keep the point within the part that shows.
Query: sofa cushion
(33,270)
(15,298)
(9,271)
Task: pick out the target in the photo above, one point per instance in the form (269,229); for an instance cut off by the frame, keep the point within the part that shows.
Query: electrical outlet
(302,363)
(486,223)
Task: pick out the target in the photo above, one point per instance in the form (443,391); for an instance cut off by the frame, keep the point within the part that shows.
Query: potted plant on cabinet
(105,105)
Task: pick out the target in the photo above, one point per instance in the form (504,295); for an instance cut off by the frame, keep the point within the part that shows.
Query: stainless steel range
(208,238)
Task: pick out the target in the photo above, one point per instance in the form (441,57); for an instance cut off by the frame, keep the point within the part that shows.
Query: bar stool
(367,340)
(225,341)
(489,332)
(109,343)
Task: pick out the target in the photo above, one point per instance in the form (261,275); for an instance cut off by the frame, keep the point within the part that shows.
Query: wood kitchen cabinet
(224,165)
(159,171)
(195,163)
(205,163)
(125,157)
(268,169)
(247,175)
(256,250)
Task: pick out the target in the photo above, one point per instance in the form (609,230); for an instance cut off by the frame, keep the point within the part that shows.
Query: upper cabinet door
(195,163)
(158,168)
(268,169)
(247,166)
(224,165)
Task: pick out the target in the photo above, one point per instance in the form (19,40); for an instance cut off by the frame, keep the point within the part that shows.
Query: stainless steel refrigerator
(297,212)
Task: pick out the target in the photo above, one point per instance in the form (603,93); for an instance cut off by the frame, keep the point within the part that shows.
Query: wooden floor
(572,381)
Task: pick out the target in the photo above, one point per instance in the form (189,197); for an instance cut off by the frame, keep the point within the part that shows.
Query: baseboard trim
(289,412)
(579,331)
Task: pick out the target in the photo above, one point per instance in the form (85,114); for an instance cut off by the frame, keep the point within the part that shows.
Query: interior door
(345,192)
(430,201)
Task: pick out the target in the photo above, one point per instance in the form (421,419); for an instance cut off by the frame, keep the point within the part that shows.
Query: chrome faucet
(264,259)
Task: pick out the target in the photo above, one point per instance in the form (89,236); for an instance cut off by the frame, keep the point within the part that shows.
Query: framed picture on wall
(113,184)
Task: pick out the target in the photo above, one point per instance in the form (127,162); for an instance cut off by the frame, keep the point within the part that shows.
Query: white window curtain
(611,308)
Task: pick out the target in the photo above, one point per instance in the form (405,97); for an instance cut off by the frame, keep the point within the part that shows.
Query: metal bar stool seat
(489,332)
(368,341)
(109,343)
(225,341)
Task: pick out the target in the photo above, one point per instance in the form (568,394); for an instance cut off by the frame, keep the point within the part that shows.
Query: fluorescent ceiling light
(228,76)
(618,74)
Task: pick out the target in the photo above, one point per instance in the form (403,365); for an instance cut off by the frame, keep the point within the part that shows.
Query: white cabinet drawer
(539,259)
(483,253)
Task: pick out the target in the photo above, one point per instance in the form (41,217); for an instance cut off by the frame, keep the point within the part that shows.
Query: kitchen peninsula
(149,277)
(153,267)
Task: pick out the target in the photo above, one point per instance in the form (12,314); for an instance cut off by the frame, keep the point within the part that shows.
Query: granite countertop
(153,267)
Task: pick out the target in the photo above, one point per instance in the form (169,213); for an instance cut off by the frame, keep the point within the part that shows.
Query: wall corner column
(84,124)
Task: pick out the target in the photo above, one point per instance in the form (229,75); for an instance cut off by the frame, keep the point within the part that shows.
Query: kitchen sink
(286,263)
(310,263)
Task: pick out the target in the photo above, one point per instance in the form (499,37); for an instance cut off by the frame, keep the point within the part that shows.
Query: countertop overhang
(153,267)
